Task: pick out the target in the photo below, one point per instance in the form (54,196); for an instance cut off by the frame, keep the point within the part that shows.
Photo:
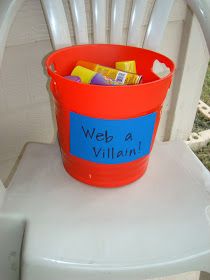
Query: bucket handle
(165,63)
(53,89)
(160,69)
(50,68)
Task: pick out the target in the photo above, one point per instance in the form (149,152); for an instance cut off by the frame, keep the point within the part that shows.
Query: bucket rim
(55,76)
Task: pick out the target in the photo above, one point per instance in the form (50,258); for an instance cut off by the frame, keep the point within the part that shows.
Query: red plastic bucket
(106,132)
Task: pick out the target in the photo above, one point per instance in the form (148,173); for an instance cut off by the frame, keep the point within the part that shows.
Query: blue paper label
(110,141)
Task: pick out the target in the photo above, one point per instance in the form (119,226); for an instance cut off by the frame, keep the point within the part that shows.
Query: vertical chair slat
(157,24)
(79,20)
(136,19)
(117,18)
(57,23)
(99,20)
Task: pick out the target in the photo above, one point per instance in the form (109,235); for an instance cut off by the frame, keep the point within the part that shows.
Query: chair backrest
(108,20)
(60,35)
(58,26)
(59,30)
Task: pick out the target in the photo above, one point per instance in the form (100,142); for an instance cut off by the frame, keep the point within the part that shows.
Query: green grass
(205,97)
(204,155)
(202,123)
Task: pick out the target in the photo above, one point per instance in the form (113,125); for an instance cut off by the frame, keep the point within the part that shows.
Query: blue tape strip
(111,141)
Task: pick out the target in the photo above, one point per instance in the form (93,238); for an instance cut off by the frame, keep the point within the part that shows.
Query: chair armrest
(202,12)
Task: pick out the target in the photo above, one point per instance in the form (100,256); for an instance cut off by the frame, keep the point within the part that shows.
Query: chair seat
(155,226)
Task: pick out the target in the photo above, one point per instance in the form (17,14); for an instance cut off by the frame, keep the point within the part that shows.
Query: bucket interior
(107,55)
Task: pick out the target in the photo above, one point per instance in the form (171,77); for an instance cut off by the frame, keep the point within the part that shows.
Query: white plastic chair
(54,227)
